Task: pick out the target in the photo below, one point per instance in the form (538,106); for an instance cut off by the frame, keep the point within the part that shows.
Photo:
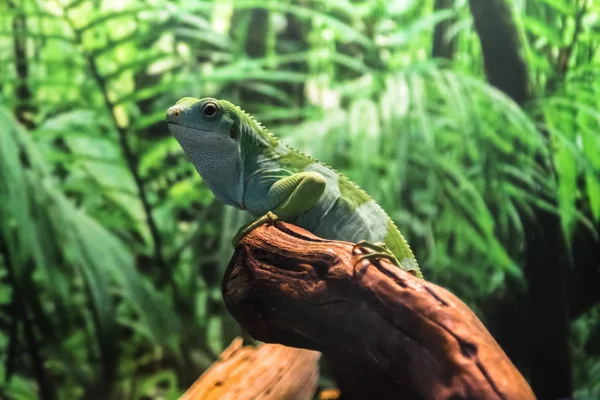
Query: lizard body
(247,167)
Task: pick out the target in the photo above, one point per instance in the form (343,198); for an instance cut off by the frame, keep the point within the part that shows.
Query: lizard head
(217,136)
(207,131)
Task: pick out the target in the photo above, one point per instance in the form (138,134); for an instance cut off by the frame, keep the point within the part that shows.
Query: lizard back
(343,212)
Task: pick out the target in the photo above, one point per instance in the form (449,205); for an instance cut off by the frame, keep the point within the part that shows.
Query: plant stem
(131,160)
(132,164)
(45,389)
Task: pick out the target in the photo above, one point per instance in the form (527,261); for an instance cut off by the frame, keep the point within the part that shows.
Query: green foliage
(77,265)
(116,249)
(453,172)
(586,353)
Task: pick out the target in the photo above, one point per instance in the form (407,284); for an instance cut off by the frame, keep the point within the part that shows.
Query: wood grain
(385,333)
(267,372)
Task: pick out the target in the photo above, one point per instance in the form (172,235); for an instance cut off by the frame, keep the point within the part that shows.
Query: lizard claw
(268,218)
(378,251)
(378,255)
(375,247)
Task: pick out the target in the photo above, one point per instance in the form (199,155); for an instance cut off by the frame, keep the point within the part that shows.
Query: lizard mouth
(177,128)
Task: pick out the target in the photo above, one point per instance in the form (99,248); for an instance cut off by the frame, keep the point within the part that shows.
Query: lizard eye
(232,132)
(210,110)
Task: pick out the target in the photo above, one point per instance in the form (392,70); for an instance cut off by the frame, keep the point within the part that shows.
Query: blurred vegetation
(476,125)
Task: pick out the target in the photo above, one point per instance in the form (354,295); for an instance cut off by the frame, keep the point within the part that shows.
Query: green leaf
(346,31)
(565,7)
(407,33)
(593,191)
(542,30)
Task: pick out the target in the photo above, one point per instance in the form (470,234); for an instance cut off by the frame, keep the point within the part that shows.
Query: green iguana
(245,166)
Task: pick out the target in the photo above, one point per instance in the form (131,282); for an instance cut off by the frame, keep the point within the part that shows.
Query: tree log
(269,372)
(384,333)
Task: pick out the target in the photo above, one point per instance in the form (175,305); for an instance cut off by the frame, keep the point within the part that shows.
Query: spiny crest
(274,140)
(347,181)
(346,184)
(261,129)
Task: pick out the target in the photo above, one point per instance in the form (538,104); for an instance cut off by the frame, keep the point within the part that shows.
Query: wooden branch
(385,333)
(269,372)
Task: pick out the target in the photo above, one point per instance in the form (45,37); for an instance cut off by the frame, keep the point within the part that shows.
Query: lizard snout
(174,114)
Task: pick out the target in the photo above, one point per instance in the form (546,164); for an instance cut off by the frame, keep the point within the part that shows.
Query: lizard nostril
(173,114)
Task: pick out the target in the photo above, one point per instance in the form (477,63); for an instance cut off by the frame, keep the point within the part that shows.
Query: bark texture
(385,333)
(266,372)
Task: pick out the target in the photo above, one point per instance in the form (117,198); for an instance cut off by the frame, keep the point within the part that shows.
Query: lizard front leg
(289,197)
(246,229)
